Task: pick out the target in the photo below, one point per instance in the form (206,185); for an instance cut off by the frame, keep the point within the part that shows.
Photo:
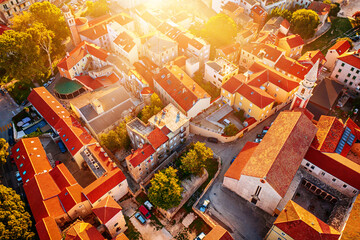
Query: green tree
(116,139)
(231,130)
(53,20)
(334,9)
(304,22)
(327,1)
(96,9)
(150,110)
(193,161)
(15,221)
(285,13)
(220,30)
(19,55)
(165,191)
(3,150)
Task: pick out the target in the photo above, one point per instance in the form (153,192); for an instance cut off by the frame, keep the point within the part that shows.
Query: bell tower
(70,20)
(306,87)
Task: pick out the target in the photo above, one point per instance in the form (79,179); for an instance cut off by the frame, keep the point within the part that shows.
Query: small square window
(307,164)
(351,83)
(345,81)
(334,179)
(349,74)
(336,76)
(312,167)
(339,70)
(344,186)
(323,173)
(354,77)
(352,69)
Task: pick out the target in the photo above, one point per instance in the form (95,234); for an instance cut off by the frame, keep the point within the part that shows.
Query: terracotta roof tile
(125,41)
(101,156)
(106,209)
(62,176)
(104,184)
(279,155)
(353,59)
(329,133)
(95,32)
(240,161)
(185,92)
(312,57)
(140,155)
(337,165)
(298,223)
(31,158)
(70,196)
(83,231)
(255,95)
(229,49)
(258,10)
(292,67)
(79,52)
(48,229)
(294,41)
(218,233)
(268,51)
(232,85)
(341,47)
(285,23)
(230,6)
(157,138)
(352,227)
(319,7)
(89,82)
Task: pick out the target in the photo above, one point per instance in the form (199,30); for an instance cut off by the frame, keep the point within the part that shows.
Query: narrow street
(239,217)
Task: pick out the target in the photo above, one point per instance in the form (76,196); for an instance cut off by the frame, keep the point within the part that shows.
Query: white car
(200,236)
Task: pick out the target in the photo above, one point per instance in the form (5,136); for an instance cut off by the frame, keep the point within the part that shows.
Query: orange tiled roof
(30,157)
(70,196)
(185,92)
(83,231)
(285,23)
(229,49)
(352,227)
(140,155)
(195,43)
(218,233)
(102,157)
(257,9)
(292,67)
(341,47)
(79,52)
(95,32)
(312,56)
(270,51)
(104,184)
(330,130)
(125,41)
(298,223)
(106,209)
(230,6)
(294,41)
(240,161)
(319,7)
(89,82)
(255,95)
(279,155)
(353,59)
(157,138)
(47,229)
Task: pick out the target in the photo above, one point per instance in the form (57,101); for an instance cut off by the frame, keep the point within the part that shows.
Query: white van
(226,122)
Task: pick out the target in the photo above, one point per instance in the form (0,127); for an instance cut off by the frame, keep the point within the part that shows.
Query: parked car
(232,160)
(140,218)
(2,92)
(259,136)
(264,131)
(18,177)
(266,128)
(258,140)
(46,84)
(212,139)
(205,205)
(148,205)
(200,236)
(62,146)
(144,211)
(57,163)
(11,140)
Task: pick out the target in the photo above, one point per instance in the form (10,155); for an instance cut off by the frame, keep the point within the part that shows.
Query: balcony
(18,2)
(182,135)
(182,129)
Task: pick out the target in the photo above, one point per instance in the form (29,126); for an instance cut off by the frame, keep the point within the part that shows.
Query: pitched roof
(104,184)
(47,229)
(240,161)
(31,158)
(83,231)
(47,105)
(341,47)
(62,176)
(285,23)
(293,41)
(337,165)
(218,233)
(279,155)
(185,92)
(230,6)
(351,58)
(229,49)
(121,236)
(319,7)
(70,196)
(89,82)
(3,28)
(267,51)
(258,10)
(106,209)
(312,57)
(157,138)
(271,75)
(79,52)
(125,41)
(140,155)
(232,85)
(298,223)
(326,93)
(329,133)
(255,95)
(352,227)
(95,32)
(292,67)
(101,157)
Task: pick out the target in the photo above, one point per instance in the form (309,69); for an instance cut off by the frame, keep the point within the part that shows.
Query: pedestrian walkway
(5,127)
